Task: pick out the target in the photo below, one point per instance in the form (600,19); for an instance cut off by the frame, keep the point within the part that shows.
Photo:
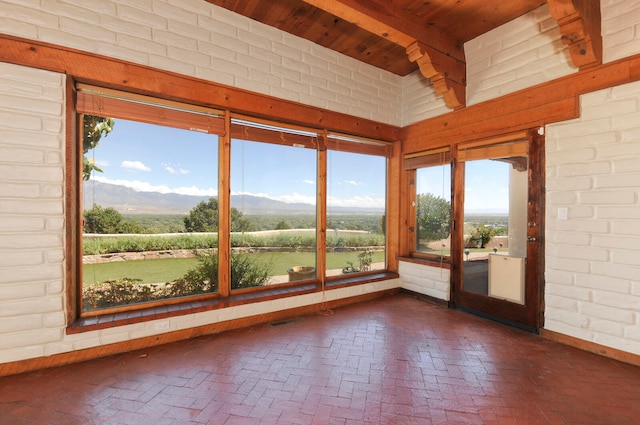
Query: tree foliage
(433,217)
(107,221)
(482,235)
(204,218)
(93,129)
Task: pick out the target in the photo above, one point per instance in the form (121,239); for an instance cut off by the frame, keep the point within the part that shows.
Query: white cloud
(173,170)
(134,165)
(140,186)
(289,198)
(353,182)
(294,198)
(311,182)
(356,202)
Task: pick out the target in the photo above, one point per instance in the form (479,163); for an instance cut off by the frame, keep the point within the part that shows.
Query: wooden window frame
(118,104)
(411,163)
(144,109)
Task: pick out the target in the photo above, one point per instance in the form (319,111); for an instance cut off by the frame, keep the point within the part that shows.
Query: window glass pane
(150,213)
(356,208)
(433,210)
(273,213)
(495,223)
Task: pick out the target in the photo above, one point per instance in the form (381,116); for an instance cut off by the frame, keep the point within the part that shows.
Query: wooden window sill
(433,262)
(110,320)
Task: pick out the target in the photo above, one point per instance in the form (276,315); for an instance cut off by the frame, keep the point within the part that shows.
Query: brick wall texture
(593,256)
(592,267)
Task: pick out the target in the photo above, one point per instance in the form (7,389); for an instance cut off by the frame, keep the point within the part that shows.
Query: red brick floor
(396,360)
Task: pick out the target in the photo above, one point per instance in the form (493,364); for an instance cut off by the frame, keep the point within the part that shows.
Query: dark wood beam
(580,23)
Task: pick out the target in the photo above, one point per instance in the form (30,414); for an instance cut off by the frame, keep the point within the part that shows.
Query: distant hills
(128,201)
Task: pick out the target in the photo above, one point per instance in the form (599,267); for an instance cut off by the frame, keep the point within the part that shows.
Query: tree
(282,225)
(482,235)
(93,128)
(433,217)
(107,221)
(204,218)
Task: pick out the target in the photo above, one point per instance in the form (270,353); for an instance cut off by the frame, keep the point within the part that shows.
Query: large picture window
(296,205)
(149,201)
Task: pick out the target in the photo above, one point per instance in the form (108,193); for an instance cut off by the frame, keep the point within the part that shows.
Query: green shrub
(107,245)
(117,292)
(245,273)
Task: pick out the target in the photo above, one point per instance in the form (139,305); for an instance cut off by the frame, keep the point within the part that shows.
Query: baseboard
(22,366)
(592,347)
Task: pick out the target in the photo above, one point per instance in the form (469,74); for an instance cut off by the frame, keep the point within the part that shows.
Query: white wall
(419,100)
(593,256)
(620,28)
(31,211)
(522,53)
(426,280)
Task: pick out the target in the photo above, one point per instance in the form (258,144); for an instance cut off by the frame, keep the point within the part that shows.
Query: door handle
(531,239)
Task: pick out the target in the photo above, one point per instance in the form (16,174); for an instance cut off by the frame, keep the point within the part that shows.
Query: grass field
(166,270)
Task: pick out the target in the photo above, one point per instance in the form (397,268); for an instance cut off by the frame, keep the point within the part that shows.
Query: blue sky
(152,158)
(487,186)
(486,190)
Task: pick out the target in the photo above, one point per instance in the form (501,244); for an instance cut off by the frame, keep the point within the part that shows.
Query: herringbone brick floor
(396,360)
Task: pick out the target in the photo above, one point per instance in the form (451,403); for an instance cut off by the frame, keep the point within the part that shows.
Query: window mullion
(224,208)
(321,219)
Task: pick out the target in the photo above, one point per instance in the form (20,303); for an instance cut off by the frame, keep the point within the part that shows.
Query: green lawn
(150,271)
(166,270)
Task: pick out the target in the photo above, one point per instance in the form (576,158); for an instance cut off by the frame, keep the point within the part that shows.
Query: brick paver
(396,360)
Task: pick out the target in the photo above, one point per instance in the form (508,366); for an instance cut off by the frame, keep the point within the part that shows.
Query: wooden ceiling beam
(580,26)
(392,23)
(440,58)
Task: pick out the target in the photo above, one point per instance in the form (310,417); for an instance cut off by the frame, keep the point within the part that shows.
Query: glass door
(498,248)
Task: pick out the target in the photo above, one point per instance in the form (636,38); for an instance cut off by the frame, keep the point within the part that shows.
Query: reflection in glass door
(495,228)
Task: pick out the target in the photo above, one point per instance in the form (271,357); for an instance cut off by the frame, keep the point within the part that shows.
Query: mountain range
(128,201)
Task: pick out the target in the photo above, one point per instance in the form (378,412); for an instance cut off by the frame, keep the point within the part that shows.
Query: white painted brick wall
(426,280)
(199,39)
(593,258)
(420,100)
(620,28)
(517,55)
(31,198)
